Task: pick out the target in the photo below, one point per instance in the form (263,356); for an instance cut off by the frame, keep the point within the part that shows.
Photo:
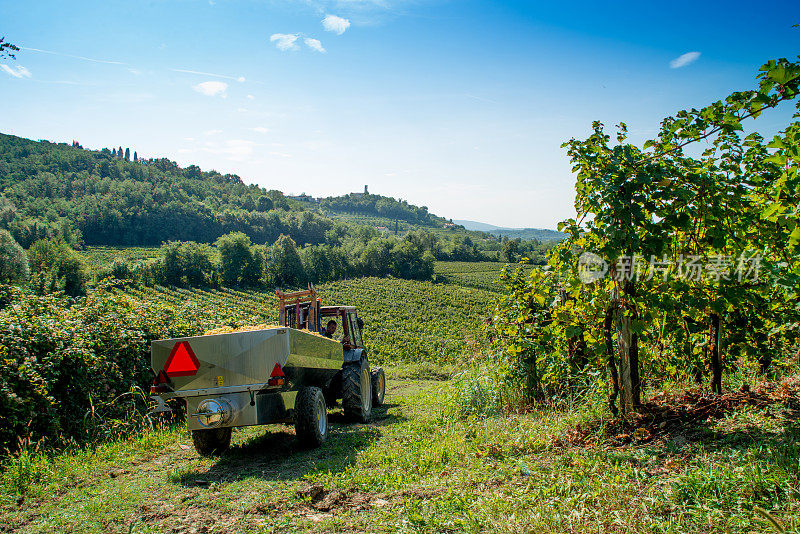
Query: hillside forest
(215,229)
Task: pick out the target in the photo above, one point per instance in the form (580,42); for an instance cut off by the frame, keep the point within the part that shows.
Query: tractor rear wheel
(357,391)
(311,417)
(378,386)
(211,441)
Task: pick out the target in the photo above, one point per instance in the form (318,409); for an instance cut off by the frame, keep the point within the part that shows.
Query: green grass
(417,470)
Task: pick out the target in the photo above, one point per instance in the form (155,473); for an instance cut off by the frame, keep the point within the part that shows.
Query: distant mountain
(540,234)
(479,226)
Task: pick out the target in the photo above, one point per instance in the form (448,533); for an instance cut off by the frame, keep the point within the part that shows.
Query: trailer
(290,373)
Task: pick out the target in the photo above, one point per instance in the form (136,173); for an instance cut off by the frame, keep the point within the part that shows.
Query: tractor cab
(351,324)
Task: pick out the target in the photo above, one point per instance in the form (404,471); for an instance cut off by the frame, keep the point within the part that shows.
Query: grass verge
(418,468)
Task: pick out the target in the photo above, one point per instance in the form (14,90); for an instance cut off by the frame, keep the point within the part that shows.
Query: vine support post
(608,322)
(715,333)
(576,345)
(532,388)
(628,342)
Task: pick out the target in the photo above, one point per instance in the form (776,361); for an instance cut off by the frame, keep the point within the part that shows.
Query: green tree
(316,263)
(376,258)
(284,266)
(13,261)
(56,267)
(187,264)
(264,203)
(510,251)
(237,263)
(737,198)
(7,49)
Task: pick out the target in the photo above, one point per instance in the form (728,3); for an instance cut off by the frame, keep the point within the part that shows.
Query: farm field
(406,321)
(96,257)
(480,275)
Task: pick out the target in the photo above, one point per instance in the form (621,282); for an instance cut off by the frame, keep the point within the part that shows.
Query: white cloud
(280,154)
(260,129)
(17,72)
(211,88)
(250,97)
(684,59)
(233,149)
(314,44)
(212,74)
(285,41)
(212,132)
(72,56)
(335,24)
(127,97)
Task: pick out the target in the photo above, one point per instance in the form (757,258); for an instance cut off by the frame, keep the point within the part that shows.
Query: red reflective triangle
(276,371)
(181,361)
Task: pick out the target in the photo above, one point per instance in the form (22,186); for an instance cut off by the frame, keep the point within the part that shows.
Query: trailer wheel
(378,385)
(211,441)
(311,417)
(357,391)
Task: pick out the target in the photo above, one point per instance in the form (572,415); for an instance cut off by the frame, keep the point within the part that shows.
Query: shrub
(472,393)
(13,262)
(56,267)
(284,266)
(59,356)
(238,264)
(187,264)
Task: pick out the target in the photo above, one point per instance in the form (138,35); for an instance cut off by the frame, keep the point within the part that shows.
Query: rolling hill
(540,234)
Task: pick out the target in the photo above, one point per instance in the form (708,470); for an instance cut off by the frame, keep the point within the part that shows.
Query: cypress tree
(128,154)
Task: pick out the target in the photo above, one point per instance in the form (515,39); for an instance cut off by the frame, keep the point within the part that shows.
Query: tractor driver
(330,329)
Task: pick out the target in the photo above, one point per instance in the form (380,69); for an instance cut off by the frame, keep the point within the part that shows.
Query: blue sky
(461,106)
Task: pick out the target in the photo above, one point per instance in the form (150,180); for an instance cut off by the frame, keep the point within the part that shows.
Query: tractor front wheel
(357,391)
(378,386)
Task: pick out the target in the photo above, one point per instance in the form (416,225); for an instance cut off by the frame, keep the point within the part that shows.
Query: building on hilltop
(366,192)
(304,198)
